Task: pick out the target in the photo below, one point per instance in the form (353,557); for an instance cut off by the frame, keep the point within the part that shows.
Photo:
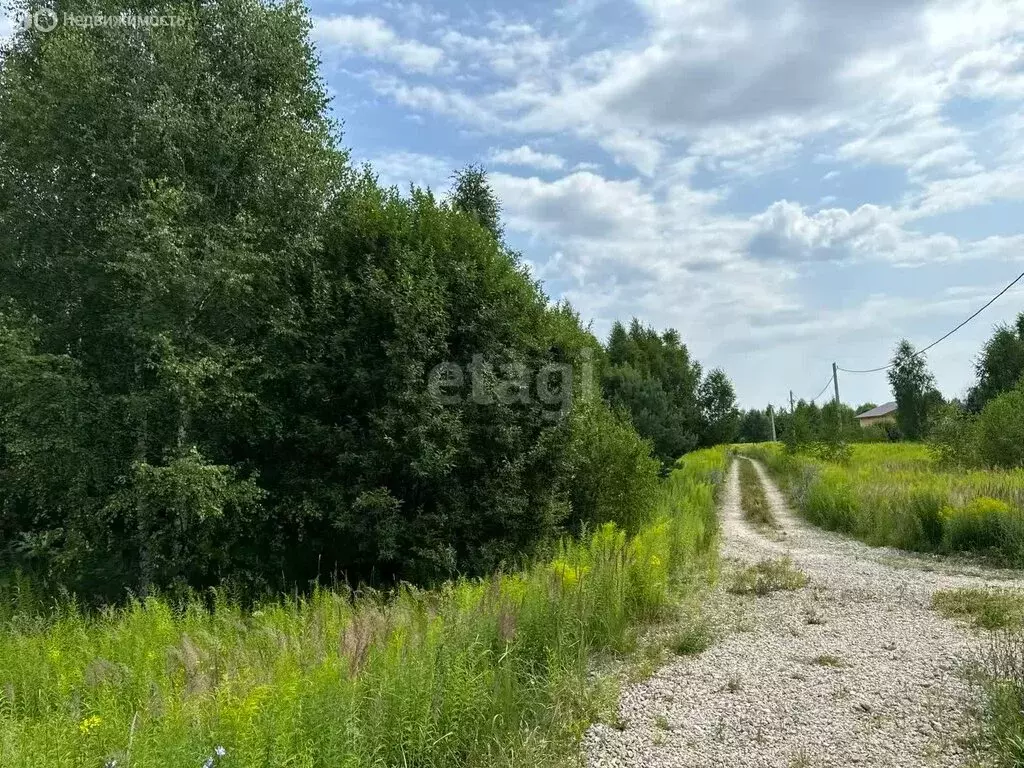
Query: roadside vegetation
(755,505)
(899,495)
(230,357)
(479,672)
(1000,667)
(984,608)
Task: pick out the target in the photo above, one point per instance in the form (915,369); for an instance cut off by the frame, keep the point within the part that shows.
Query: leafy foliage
(914,389)
(652,378)
(484,672)
(1000,366)
(217,337)
(1000,430)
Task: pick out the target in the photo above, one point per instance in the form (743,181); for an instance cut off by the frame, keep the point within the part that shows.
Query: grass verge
(755,505)
(491,672)
(897,495)
(984,608)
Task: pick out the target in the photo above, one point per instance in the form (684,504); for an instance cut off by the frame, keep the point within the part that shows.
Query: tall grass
(897,495)
(490,672)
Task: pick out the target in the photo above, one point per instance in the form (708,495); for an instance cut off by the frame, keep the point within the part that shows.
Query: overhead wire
(941,339)
(822,389)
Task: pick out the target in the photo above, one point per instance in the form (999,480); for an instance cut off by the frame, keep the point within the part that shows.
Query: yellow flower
(89,724)
(655,561)
(569,574)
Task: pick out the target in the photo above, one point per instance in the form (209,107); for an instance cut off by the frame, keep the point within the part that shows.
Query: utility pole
(839,415)
(792,408)
(771,412)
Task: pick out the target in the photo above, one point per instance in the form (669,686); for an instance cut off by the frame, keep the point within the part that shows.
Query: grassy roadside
(753,500)
(478,673)
(999,612)
(895,495)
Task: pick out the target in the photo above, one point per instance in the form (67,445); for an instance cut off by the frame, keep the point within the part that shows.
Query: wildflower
(89,724)
(569,574)
(655,561)
(211,761)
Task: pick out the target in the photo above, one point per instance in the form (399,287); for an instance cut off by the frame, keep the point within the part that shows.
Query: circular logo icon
(45,20)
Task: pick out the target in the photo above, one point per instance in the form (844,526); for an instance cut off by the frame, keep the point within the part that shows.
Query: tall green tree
(160,191)
(473,195)
(652,377)
(754,427)
(913,387)
(718,406)
(1000,365)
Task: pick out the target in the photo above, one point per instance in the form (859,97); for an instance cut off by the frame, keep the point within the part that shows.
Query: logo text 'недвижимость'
(47,20)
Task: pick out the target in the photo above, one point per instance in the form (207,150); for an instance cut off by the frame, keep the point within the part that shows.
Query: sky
(787,183)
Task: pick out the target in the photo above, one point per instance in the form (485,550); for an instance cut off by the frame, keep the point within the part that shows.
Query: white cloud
(527,156)
(372,37)
(400,169)
(759,106)
(508,50)
(954,194)
(580,204)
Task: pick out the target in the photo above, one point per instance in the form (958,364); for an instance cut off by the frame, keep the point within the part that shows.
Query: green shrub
(1000,435)
(614,478)
(953,438)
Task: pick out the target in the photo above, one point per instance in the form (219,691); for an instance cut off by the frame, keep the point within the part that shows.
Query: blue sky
(786,182)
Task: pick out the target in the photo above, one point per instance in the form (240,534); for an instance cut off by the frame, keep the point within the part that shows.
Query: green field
(896,495)
(480,672)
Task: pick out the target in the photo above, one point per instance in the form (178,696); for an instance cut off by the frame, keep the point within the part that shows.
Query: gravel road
(853,669)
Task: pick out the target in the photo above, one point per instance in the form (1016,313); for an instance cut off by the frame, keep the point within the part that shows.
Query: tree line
(217,336)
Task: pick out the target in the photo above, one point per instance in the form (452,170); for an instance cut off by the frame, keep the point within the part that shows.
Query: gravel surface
(853,669)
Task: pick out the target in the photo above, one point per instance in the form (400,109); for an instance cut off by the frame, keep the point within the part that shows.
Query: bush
(953,438)
(611,475)
(1000,437)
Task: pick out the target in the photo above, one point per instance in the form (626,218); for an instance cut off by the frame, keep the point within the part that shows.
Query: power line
(943,338)
(822,389)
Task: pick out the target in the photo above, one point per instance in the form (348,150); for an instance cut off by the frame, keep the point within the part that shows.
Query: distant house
(883,414)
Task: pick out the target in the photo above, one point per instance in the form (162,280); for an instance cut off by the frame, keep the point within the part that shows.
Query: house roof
(882,410)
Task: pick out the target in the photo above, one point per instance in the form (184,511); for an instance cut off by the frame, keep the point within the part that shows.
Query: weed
(811,616)
(753,499)
(828,660)
(660,721)
(766,577)
(734,684)
(987,608)
(800,760)
(692,639)
(899,495)
(458,676)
